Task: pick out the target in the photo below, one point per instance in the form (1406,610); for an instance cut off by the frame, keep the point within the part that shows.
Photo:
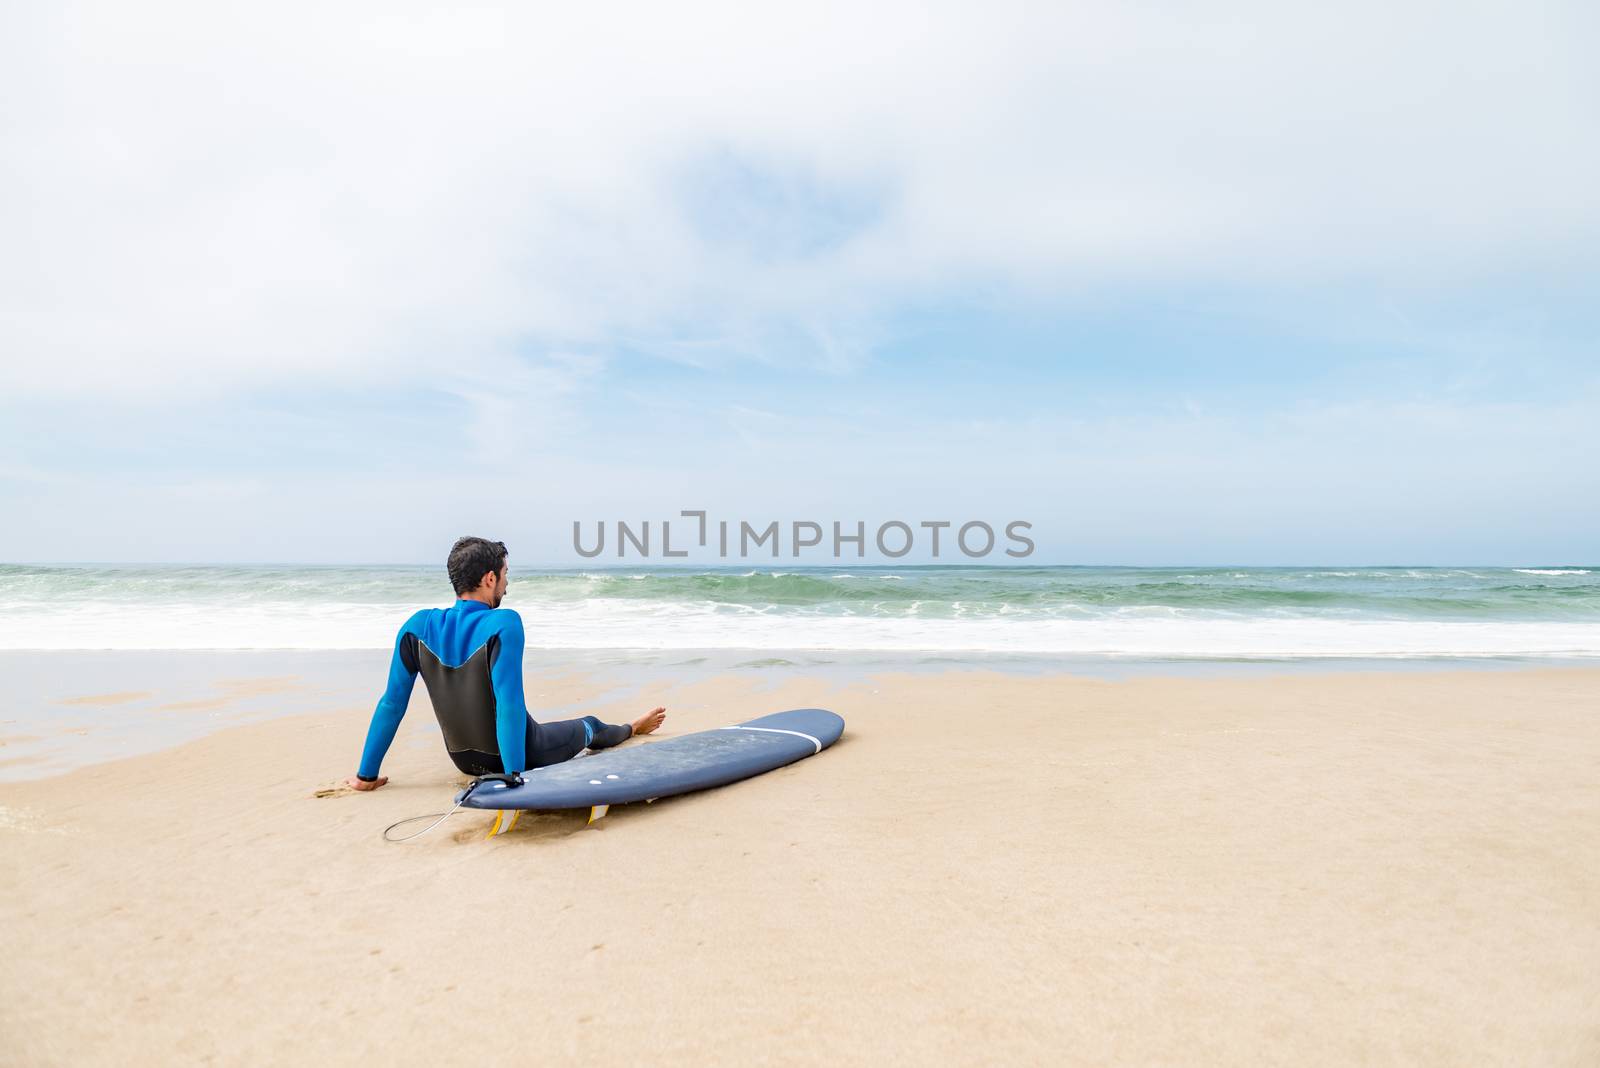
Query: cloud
(1380,482)
(218,197)
(517,406)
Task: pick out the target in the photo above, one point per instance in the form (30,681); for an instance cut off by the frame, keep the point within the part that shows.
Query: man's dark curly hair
(473,558)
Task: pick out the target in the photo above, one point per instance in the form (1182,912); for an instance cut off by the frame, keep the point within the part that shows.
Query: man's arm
(511,710)
(386,717)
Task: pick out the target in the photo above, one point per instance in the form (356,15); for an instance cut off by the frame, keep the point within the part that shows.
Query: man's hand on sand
(649,721)
(356,783)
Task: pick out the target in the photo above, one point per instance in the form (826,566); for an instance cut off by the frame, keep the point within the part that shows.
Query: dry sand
(1372,868)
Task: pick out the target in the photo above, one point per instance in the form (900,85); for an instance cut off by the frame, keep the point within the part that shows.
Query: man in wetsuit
(470,658)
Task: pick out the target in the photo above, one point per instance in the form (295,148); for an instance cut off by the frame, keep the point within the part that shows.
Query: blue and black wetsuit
(470,658)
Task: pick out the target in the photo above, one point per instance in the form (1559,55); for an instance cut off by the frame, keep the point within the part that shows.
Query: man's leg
(606,735)
(551,743)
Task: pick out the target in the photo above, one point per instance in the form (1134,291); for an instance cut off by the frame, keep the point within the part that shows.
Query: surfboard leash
(413,819)
(512,779)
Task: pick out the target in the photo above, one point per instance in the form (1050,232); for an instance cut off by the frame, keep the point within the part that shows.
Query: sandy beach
(1307,868)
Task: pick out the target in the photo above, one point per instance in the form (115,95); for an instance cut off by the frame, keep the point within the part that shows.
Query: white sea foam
(1267,613)
(597,624)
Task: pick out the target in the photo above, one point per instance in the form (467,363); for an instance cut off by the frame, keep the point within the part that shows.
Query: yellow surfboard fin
(504,820)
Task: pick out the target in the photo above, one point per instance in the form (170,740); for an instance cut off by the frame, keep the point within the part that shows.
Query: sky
(1242,283)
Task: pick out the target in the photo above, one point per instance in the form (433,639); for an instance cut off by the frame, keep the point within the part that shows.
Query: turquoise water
(1228,612)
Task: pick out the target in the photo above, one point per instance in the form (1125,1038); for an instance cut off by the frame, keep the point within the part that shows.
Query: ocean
(1209,613)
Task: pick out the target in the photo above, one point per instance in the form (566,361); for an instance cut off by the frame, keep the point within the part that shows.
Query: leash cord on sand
(425,815)
(512,779)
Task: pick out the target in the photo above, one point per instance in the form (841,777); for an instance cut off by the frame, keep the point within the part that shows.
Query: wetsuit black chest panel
(463,698)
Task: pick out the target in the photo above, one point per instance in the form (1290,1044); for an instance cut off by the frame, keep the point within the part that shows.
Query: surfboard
(666,768)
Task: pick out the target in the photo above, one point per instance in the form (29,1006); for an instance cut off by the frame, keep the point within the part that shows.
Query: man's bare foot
(649,721)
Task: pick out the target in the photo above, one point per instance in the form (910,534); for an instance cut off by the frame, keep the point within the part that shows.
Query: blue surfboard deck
(666,768)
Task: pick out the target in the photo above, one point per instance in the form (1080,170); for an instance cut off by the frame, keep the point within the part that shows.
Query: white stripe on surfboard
(778,730)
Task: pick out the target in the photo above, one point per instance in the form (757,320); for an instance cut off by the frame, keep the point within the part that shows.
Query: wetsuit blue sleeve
(391,708)
(511,710)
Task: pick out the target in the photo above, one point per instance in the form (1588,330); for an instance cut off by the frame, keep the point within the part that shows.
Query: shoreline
(1324,869)
(70,710)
